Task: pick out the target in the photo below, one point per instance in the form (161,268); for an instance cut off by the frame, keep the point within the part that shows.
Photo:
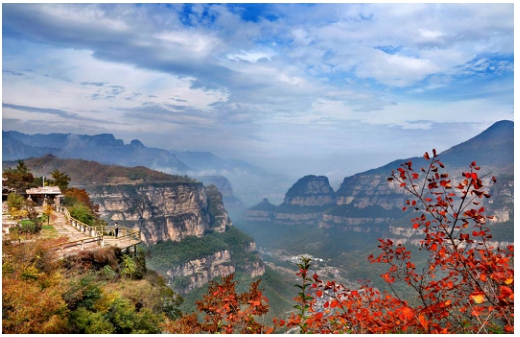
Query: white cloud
(252,56)
(396,70)
(207,77)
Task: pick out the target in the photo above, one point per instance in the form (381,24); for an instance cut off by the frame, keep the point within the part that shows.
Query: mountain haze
(249,183)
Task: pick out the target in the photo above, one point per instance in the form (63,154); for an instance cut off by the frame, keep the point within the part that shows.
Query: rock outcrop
(310,191)
(263,212)
(169,211)
(194,274)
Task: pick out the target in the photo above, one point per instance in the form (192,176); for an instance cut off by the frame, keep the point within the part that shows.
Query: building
(39,194)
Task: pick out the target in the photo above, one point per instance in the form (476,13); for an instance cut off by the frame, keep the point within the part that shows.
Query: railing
(81,242)
(89,230)
(102,234)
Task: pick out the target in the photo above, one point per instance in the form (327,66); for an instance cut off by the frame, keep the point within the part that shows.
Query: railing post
(82,244)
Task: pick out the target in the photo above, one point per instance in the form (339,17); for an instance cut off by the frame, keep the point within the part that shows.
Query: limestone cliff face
(310,191)
(350,221)
(194,274)
(501,205)
(363,190)
(224,186)
(258,215)
(169,211)
(296,219)
(263,212)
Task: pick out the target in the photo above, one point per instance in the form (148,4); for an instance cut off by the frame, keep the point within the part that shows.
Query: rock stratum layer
(169,211)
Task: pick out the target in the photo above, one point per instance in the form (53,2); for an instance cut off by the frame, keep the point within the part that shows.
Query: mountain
(250,183)
(104,148)
(367,200)
(232,202)
(175,214)
(13,148)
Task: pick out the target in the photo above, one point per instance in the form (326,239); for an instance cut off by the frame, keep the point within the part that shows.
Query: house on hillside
(39,194)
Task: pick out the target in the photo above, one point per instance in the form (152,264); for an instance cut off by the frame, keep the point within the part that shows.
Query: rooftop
(44,190)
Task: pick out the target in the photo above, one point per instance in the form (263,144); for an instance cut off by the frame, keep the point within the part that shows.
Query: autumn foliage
(226,311)
(467,285)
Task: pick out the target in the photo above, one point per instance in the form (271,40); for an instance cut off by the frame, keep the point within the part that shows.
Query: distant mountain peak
(136,143)
(265,205)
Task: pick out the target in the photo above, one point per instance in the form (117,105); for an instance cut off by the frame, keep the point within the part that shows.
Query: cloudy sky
(299,89)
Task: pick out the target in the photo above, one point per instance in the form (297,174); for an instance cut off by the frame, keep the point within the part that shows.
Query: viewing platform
(82,236)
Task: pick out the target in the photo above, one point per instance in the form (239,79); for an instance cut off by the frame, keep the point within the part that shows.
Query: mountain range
(249,182)
(181,215)
(367,198)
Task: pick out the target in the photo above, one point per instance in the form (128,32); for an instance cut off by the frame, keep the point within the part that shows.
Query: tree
(225,311)
(15,200)
(60,179)
(467,285)
(74,195)
(18,178)
(47,210)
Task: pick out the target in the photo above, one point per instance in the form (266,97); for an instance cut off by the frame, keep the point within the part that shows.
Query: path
(77,239)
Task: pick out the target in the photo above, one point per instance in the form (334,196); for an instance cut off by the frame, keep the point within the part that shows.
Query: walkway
(82,237)
(78,236)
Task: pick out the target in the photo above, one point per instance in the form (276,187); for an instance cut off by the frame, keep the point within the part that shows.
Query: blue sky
(298,89)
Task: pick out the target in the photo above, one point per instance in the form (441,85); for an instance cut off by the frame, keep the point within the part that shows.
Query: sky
(296,89)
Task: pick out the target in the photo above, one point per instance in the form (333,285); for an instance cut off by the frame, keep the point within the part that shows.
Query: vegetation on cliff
(165,255)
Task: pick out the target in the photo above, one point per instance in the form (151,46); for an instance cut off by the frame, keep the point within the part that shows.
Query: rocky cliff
(224,186)
(195,273)
(310,191)
(169,211)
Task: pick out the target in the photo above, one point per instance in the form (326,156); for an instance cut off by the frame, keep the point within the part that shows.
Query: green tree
(128,266)
(82,213)
(15,200)
(18,178)
(60,179)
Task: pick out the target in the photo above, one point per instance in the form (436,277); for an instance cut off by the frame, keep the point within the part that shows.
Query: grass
(49,232)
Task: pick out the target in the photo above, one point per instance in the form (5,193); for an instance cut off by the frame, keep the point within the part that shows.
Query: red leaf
(426,156)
